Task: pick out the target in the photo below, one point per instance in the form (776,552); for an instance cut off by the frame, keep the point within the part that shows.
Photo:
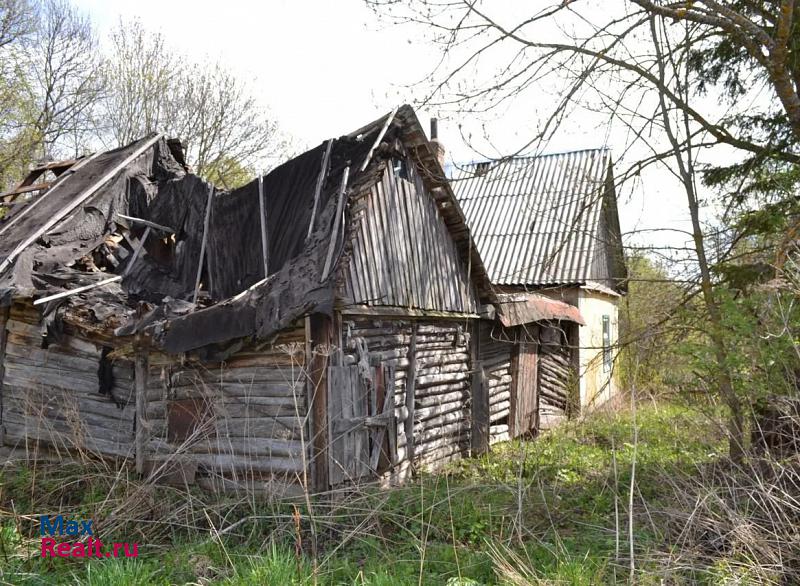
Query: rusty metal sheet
(184,416)
(526,308)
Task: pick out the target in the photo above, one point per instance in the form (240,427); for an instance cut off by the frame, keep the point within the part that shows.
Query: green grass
(539,512)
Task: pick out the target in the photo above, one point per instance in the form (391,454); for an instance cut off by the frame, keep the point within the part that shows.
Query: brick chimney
(436,146)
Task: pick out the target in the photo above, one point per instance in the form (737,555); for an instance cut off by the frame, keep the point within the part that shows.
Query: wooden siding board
(388,231)
(417,244)
(399,238)
(432,275)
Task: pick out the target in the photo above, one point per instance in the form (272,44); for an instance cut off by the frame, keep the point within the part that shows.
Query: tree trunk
(683,158)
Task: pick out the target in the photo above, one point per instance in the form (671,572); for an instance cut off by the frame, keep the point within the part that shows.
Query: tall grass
(549,511)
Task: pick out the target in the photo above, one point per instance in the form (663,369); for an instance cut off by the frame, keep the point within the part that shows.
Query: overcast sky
(325,68)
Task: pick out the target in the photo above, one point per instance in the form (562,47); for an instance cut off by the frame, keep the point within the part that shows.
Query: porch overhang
(522,308)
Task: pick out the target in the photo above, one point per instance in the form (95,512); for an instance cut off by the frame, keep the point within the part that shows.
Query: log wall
(51,398)
(241,421)
(440,368)
(496,352)
(556,375)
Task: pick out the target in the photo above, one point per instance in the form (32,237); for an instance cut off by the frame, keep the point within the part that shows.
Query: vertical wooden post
(480,398)
(141,367)
(263,215)
(337,219)
(4,313)
(574,390)
(320,332)
(515,386)
(323,173)
(206,222)
(411,383)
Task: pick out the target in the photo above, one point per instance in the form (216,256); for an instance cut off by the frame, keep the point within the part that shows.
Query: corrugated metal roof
(535,219)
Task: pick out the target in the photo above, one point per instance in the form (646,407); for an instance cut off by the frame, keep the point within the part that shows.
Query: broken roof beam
(78,290)
(147,223)
(206,222)
(85,195)
(378,140)
(323,173)
(54,165)
(137,251)
(38,200)
(336,221)
(26,189)
(263,216)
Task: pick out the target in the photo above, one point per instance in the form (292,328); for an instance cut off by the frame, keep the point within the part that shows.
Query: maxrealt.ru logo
(78,529)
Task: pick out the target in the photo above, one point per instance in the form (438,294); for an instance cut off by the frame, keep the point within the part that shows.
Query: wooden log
(222,463)
(286,393)
(254,447)
(424,413)
(430,449)
(435,379)
(141,372)
(459,397)
(452,417)
(84,427)
(242,375)
(499,394)
(444,431)
(410,393)
(456,367)
(500,414)
(33,333)
(65,440)
(264,427)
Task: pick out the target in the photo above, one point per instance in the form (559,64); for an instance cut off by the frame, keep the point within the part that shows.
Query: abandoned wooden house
(547,229)
(331,322)
(310,329)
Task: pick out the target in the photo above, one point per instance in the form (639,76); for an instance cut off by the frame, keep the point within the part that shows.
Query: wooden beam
(56,165)
(411,381)
(323,173)
(136,251)
(77,290)
(49,193)
(336,221)
(320,335)
(392,311)
(80,199)
(206,222)
(263,216)
(4,314)
(27,188)
(480,398)
(147,223)
(378,140)
(141,368)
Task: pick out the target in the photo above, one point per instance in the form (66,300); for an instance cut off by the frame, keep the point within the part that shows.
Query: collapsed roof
(181,262)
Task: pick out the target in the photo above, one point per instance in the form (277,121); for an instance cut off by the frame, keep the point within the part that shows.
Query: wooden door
(525,396)
(361,423)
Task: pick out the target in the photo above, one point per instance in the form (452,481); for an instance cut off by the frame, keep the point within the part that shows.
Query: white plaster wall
(596,386)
